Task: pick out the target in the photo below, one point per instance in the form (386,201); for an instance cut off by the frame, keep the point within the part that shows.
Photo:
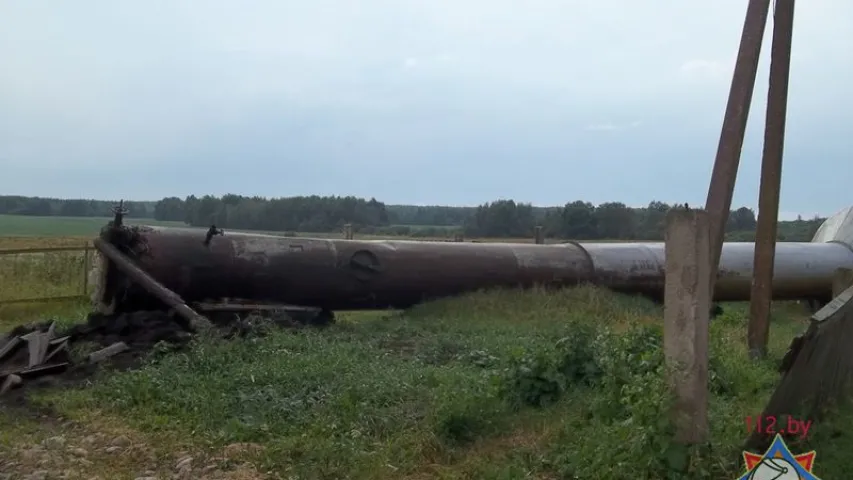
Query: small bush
(587,357)
(533,380)
(577,360)
(458,428)
(620,380)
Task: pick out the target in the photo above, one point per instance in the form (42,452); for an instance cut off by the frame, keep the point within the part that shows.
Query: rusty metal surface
(771,178)
(631,267)
(721,188)
(365,274)
(346,274)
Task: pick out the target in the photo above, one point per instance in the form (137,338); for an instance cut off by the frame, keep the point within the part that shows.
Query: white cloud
(601,127)
(428,61)
(610,127)
(702,69)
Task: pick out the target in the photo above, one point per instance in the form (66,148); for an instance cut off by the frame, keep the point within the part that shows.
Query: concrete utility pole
(771,179)
(721,189)
(687,306)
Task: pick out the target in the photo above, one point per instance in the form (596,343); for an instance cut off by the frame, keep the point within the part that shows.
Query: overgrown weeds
(566,384)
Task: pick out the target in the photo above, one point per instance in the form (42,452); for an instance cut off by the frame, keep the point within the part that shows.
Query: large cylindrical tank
(344,274)
(802,270)
(367,274)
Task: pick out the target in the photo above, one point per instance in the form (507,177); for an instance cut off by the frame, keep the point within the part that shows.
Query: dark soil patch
(140,331)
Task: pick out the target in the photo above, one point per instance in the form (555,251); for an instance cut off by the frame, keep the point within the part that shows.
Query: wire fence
(45,274)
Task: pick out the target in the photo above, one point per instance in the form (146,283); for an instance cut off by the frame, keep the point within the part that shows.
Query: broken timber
(155,288)
(817,371)
(44,354)
(105,353)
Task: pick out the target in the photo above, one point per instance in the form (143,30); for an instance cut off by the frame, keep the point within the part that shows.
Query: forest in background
(498,219)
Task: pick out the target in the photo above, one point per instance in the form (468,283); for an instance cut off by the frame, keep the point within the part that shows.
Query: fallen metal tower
(371,274)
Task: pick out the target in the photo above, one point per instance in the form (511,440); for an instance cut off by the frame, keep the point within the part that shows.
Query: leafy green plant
(533,380)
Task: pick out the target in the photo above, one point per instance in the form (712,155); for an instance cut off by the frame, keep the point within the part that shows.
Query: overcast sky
(410,101)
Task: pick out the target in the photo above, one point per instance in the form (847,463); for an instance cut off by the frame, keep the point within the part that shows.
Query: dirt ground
(49,447)
(37,443)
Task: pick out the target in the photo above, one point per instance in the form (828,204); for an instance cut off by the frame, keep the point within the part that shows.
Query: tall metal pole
(721,189)
(771,179)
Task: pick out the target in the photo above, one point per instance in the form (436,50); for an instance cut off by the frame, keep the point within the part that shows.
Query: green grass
(36,276)
(482,386)
(44,275)
(20,225)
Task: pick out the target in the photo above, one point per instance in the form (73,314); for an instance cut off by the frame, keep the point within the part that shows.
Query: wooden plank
(11,382)
(9,346)
(37,343)
(44,369)
(248,307)
(107,352)
(59,347)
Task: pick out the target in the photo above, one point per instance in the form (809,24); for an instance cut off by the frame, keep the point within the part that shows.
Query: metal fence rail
(62,273)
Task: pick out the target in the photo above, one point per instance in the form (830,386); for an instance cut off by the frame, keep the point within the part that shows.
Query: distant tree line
(296,214)
(612,220)
(57,207)
(502,218)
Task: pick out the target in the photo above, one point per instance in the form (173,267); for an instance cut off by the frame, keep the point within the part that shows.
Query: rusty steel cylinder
(369,274)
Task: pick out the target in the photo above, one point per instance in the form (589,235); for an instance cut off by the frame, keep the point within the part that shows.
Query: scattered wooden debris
(11,382)
(10,345)
(32,351)
(105,353)
(44,354)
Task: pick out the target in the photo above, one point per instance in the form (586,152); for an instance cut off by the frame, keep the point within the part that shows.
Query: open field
(17,232)
(21,225)
(493,385)
(44,274)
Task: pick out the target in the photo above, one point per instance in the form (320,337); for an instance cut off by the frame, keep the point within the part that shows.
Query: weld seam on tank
(593,273)
(839,242)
